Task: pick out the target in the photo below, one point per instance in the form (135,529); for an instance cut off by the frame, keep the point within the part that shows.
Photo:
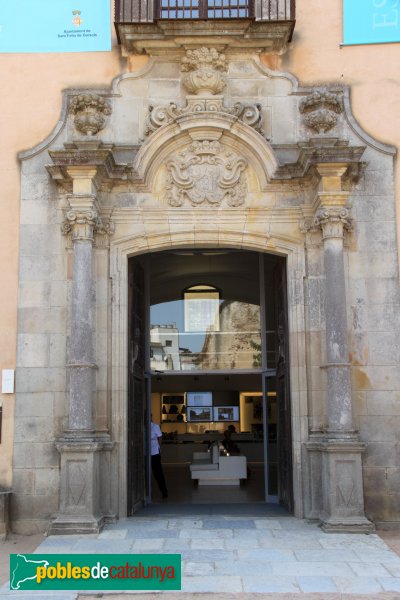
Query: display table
(209,468)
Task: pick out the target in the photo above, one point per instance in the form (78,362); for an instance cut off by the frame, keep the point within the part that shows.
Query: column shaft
(81,367)
(340,417)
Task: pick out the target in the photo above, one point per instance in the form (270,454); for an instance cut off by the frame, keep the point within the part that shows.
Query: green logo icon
(95,572)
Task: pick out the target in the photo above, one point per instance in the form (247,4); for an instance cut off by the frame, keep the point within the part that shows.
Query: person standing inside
(156,465)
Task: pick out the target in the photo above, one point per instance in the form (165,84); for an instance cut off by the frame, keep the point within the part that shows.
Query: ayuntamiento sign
(371,21)
(55,25)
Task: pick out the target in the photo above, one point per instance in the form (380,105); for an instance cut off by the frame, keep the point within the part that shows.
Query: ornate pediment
(205,78)
(206,173)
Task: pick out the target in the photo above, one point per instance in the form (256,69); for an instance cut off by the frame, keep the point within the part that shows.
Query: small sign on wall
(7,381)
(55,26)
(371,21)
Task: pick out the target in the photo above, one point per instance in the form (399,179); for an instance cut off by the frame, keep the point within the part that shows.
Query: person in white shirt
(156,465)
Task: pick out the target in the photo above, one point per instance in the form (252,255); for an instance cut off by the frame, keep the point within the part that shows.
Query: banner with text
(55,25)
(371,21)
(95,572)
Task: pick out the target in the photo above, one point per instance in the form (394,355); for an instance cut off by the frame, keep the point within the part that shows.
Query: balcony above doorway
(158,26)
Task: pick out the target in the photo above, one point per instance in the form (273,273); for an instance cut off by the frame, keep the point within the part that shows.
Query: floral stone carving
(205,79)
(206,173)
(206,71)
(320,111)
(90,112)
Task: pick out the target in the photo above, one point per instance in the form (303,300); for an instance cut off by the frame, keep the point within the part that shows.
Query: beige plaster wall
(30,106)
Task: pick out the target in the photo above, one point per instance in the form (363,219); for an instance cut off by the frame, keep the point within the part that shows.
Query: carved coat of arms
(205,173)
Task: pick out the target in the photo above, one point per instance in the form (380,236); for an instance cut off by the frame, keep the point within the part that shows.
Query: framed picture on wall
(199,413)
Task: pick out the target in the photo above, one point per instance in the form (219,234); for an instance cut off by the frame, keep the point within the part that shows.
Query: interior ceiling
(245,382)
(235,273)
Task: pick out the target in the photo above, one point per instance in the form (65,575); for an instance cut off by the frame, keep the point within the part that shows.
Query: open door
(284,428)
(137,389)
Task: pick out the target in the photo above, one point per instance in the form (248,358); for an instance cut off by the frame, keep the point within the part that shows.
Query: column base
(337,494)
(82,505)
(350,525)
(69,525)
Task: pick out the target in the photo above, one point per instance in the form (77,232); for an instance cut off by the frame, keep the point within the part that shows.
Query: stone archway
(120,252)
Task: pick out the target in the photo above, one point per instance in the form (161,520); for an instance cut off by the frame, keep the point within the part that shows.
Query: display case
(173,408)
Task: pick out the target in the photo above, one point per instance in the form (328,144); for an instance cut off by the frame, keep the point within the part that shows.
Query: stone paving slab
(242,596)
(248,558)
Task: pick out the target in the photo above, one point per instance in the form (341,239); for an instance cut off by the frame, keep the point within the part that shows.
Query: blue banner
(371,21)
(55,25)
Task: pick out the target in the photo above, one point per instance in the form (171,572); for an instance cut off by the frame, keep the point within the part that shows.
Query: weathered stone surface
(34,294)
(47,482)
(33,508)
(35,455)
(33,350)
(383,403)
(380,429)
(23,481)
(33,428)
(57,350)
(34,405)
(32,380)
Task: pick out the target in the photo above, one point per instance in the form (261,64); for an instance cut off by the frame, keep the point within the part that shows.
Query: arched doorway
(208,349)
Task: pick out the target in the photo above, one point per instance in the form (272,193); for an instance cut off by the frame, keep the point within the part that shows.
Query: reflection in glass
(210,335)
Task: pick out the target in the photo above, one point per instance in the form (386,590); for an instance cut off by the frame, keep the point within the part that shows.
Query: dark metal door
(284,426)
(137,392)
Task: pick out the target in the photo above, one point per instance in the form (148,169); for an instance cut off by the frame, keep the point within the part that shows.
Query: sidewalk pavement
(226,558)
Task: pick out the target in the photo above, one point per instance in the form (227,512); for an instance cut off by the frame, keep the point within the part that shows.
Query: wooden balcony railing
(204,9)
(147,11)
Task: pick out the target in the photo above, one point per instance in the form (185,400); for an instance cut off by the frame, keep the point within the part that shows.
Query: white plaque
(7,381)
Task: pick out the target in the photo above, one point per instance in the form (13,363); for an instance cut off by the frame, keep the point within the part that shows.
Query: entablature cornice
(318,151)
(230,36)
(293,165)
(98,155)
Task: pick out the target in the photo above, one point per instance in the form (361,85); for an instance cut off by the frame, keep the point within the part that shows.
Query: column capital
(333,221)
(81,223)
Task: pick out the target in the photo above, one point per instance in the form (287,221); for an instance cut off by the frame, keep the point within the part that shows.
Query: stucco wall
(31,101)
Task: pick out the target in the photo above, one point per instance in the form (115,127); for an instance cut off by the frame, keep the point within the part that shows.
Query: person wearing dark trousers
(156,465)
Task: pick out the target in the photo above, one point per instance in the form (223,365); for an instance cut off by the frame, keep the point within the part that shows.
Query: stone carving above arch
(205,70)
(90,112)
(205,79)
(250,114)
(206,173)
(321,110)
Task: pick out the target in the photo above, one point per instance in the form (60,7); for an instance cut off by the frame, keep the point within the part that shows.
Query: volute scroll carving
(206,173)
(84,224)
(333,221)
(158,116)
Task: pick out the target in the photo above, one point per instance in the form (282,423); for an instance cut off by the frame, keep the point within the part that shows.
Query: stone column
(333,221)
(80,447)
(342,500)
